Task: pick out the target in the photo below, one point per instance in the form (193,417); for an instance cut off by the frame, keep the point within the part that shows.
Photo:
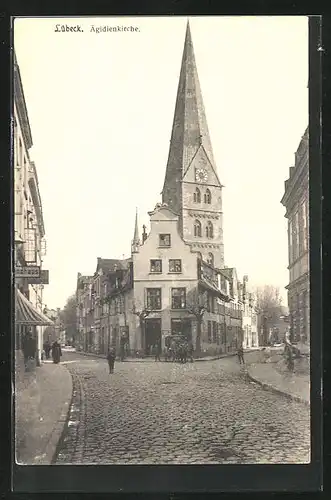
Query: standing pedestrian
(56,352)
(111,359)
(47,348)
(29,347)
(240,354)
(157,352)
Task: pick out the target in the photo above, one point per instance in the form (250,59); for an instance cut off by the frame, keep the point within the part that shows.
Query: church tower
(191,186)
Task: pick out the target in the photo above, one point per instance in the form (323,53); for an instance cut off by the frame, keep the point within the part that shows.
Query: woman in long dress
(56,352)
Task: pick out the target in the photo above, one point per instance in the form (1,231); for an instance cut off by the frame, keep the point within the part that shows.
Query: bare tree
(142,314)
(267,297)
(196,306)
(268,303)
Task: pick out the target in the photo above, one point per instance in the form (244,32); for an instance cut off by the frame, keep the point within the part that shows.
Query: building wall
(28,219)
(163,222)
(296,202)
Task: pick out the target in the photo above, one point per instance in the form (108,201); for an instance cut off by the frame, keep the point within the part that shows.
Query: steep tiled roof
(108,265)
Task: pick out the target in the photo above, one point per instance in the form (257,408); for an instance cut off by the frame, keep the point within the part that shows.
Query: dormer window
(197,196)
(164,240)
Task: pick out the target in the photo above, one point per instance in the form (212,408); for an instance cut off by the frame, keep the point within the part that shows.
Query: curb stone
(271,388)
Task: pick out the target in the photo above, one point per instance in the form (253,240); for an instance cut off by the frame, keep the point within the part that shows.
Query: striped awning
(27,314)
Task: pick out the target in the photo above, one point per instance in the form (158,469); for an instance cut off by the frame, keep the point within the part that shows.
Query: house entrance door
(152,334)
(182,326)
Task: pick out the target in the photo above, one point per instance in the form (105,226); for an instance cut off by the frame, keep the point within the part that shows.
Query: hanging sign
(27,272)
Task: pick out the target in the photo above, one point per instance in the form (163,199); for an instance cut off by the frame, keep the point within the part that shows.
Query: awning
(27,314)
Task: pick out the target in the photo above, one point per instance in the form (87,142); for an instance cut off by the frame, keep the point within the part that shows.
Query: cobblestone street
(167,413)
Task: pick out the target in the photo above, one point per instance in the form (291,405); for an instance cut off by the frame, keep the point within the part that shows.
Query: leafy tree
(68,317)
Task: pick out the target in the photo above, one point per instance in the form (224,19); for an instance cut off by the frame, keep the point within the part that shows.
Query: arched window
(210,259)
(197,196)
(209,230)
(207,196)
(197,228)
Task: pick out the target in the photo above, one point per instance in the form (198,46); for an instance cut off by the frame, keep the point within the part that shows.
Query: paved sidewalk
(292,385)
(42,400)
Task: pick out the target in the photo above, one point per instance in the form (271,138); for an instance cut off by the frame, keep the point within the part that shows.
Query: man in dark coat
(47,348)
(111,359)
(56,352)
(29,347)
(240,354)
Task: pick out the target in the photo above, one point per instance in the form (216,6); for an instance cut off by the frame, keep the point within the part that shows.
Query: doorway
(152,334)
(182,326)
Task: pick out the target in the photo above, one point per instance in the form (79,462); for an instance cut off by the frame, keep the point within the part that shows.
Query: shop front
(29,320)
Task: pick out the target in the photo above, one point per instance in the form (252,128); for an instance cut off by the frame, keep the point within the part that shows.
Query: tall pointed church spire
(189,130)
(191,187)
(136,241)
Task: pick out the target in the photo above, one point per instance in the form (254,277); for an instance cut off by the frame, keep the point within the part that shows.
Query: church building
(175,281)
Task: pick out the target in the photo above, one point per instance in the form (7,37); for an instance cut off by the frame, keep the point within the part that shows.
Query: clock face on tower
(201,175)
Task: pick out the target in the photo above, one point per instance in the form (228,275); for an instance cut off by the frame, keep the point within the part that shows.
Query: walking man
(111,359)
(240,354)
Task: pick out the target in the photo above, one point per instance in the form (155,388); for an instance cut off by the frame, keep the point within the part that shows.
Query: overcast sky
(101,108)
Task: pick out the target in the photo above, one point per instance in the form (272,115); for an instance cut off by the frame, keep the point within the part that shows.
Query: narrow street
(168,413)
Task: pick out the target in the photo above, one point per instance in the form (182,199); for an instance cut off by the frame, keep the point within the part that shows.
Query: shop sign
(27,272)
(42,280)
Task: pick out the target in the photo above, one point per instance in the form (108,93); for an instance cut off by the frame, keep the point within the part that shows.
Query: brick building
(296,203)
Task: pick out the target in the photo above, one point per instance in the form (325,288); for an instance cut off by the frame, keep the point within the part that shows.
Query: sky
(101,106)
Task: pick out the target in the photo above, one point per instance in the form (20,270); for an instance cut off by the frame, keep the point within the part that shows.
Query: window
(214,332)
(20,154)
(210,259)
(197,196)
(304,225)
(207,196)
(209,332)
(164,240)
(154,298)
(209,230)
(178,298)
(211,303)
(156,266)
(197,228)
(295,232)
(175,266)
